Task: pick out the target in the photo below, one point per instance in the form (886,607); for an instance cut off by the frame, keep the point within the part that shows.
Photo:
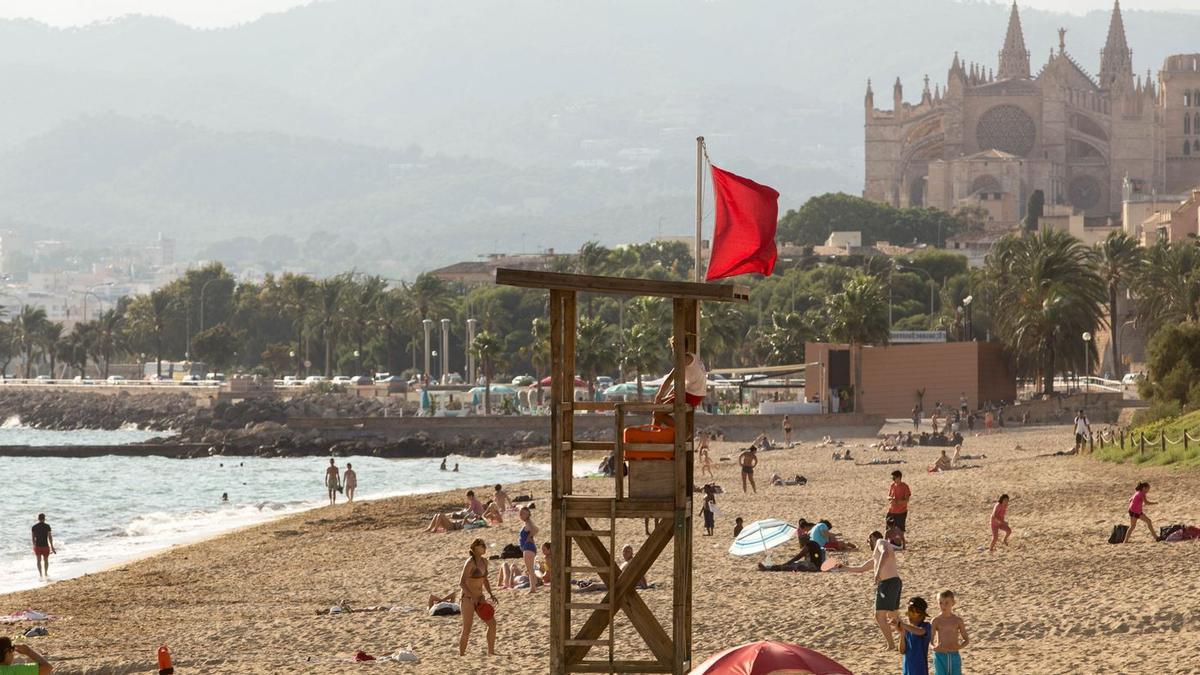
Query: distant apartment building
(484,271)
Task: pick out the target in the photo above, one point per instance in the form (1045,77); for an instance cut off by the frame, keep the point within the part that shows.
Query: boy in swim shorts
(949,636)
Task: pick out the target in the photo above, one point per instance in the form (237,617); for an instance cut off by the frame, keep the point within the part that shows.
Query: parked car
(1132,378)
(361,380)
(189,380)
(115,379)
(82,380)
(291,381)
(314,379)
(43,378)
(215,377)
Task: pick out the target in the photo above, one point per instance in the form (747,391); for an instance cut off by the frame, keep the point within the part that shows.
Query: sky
(218,13)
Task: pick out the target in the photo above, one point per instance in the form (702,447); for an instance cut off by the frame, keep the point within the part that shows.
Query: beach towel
(445,609)
(27,615)
(405,656)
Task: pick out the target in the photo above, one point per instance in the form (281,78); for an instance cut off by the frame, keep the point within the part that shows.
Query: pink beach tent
(770,657)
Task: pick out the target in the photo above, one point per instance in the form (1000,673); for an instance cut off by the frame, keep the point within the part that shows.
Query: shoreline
(215,530)
(243,602)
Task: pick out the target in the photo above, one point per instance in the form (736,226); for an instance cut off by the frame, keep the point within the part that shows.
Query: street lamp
(91,290)
(471,323)
(445,351)
(1087,357)
(428,326)
(357,366)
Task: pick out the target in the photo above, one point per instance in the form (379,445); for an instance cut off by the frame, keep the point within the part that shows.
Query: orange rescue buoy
(164,661)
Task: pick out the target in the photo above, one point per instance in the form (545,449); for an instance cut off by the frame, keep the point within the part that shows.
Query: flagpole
(699,199)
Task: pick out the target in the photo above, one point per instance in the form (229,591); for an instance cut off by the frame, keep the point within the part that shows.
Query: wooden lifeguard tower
(657,489)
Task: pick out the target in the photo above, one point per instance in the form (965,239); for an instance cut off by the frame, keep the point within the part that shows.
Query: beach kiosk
(659,488)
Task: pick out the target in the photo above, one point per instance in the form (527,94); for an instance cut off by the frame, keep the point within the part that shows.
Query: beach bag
(1118,534)
(445,609)
(1167,530)
(511,551)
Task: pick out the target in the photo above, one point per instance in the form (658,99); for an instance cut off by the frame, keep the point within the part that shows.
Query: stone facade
(991,138)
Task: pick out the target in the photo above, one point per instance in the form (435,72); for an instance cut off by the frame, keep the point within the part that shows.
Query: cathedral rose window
(1006,128)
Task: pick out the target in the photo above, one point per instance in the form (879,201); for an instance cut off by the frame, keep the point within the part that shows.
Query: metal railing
(137,384)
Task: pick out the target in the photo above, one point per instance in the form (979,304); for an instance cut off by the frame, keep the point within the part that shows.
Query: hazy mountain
(451,129)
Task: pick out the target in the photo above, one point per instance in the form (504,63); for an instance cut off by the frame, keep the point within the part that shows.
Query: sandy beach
(1058,599)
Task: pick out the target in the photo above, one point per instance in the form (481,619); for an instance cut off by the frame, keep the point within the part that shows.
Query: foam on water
(106,510)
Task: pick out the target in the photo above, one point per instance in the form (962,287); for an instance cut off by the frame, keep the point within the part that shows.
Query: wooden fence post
(1162,440)
(1142,443)
(1122,439)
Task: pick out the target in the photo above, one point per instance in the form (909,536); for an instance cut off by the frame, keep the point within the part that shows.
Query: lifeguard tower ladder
(661,490)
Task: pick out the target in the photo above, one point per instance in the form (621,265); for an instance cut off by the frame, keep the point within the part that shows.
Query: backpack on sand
(1118,534)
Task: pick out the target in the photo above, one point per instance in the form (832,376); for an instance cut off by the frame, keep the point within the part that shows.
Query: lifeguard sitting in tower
(695,379)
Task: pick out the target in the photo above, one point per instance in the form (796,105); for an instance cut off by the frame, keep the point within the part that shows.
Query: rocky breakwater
(70,410)
(260,427)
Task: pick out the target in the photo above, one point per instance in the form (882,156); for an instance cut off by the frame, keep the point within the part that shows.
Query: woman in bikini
(473,583)
(528,545)
(705,460)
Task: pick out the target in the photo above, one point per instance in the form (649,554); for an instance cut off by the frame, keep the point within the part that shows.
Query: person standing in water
(349,482)
(331,481)
(43,545)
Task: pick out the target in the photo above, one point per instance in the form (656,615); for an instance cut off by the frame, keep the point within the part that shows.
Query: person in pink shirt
(473,503)
(999,511)
(1137,504)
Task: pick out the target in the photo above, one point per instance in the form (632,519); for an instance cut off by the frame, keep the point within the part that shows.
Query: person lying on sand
(776,479)
(446,522)
(877,462)
(434,600)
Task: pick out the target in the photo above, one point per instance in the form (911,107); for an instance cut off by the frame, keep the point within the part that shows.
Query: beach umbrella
(497,390)
(761,536)
(579,382)
(769,657)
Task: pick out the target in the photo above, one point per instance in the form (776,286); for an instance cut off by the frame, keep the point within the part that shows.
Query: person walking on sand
(527,543)
(349,482)
(332,481)
(705,458)
(43,545)
(8,652)
(887,584)
(473,583)
(999,523)
(949,636)
(748,460)
(916,417)
(1137,504)
(787,431)
(500,499)
(1083,431)
(897,513)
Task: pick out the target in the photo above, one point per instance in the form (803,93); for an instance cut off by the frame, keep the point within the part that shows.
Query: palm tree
(73,349)
(1046,292)
(27,326)
(107,337)
(149,315)
(487,349)
(1121,261)
(297,294)
(593,259)
(722,329)
(538,350)
(640,350)
(48,337)
(364,299)
(786,337)
(328,296)
(1168,288)
(858,316)
(594,351)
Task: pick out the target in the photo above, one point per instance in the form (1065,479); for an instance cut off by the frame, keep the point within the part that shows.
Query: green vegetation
(839,212)
(1175,453)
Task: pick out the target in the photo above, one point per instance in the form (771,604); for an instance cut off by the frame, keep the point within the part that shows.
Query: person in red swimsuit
(43,545)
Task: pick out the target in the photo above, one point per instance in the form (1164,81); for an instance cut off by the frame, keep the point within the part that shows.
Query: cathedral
(990,138)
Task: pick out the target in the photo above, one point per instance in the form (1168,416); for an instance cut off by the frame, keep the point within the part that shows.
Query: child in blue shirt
(916,632)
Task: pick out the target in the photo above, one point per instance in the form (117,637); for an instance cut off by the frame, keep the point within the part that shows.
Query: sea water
(105,510)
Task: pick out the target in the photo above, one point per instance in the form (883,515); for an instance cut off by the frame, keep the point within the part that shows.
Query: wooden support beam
(624,594)
(621,285)
(598,507)
(620,667)
(559,545)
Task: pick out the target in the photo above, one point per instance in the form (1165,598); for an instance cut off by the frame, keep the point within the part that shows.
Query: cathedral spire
(1116,59)
(1014,58)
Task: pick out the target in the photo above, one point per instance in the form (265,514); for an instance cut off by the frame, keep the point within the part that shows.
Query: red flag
(744,235)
